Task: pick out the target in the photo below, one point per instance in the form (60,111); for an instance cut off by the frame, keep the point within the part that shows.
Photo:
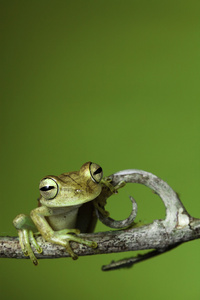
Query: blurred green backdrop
(117,83)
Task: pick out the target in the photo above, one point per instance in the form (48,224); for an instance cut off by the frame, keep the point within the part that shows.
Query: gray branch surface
(162,235)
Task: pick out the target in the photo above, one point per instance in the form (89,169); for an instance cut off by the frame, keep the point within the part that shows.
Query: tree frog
(65,209)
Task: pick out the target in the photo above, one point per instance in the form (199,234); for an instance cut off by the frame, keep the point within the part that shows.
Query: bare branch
(162,235)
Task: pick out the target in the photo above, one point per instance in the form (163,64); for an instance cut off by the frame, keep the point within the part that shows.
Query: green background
(117,83)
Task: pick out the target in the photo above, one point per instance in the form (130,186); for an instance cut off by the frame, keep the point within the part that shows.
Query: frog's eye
(96,172)
(48,188)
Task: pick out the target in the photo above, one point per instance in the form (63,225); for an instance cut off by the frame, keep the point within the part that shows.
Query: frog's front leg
(62,237)
(106,181)
(26,227)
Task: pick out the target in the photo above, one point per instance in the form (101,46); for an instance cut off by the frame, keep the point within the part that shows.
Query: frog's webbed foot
(62,237)
(25,238)
(65,236)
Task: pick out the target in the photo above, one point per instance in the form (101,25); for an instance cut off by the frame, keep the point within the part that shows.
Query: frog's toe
(70,251)
(25,252)
(34,242)
(33,258)
(94,245)
(24,237)
(88,243)
(35,262)
(74,257)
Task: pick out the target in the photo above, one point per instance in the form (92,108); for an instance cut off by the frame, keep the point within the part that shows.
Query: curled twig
(161,235)
(119,224)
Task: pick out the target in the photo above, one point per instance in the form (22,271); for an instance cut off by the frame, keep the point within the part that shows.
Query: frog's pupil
(99,170)
(47,188)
